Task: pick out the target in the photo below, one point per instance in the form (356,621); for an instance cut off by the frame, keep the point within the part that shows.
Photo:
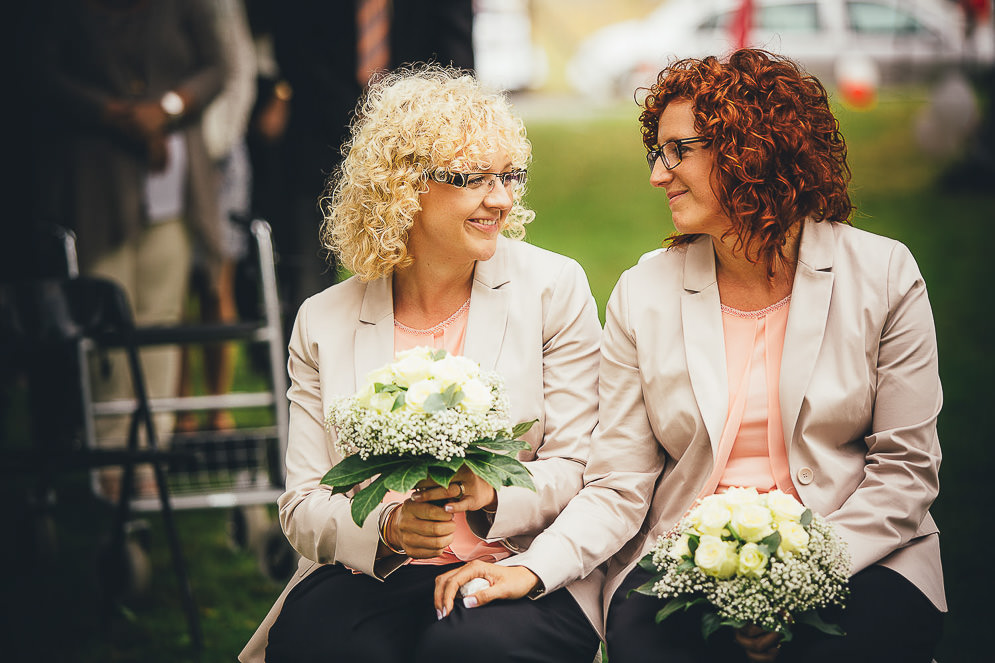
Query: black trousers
(886,619)
(337,615)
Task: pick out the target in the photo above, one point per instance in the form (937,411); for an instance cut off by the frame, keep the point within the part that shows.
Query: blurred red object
(743,22)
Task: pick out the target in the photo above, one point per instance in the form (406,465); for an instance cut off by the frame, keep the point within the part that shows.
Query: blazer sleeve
(626,461)
(571,335)
(317,523)
(900,480)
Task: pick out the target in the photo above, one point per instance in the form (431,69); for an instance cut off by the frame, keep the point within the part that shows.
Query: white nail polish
(470,602)
(438,614)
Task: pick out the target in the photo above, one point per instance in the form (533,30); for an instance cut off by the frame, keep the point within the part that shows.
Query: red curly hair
(779,154)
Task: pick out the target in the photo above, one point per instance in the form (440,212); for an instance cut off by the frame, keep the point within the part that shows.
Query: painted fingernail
(438,614)
(449,508)
(470,602)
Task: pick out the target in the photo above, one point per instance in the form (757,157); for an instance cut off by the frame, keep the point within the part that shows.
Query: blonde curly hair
(410,123)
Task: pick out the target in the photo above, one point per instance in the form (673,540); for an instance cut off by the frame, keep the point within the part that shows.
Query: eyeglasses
(672,152)
(480,181)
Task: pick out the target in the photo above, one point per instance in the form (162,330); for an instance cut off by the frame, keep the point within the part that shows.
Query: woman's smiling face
(460,225)
(690,195)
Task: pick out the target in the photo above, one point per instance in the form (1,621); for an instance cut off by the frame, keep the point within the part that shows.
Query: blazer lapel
(490,305)
(374,344)
(810,296)
(704,343)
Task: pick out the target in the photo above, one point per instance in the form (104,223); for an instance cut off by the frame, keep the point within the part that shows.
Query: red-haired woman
(770,345)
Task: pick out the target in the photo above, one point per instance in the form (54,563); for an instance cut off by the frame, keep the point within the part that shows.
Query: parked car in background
(505,53)
(904,39)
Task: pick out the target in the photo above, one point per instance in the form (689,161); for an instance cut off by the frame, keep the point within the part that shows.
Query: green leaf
(398,401)
(452,395)
(343,489)
(806,518)
(442,475)
(523,428)
(510,471)
(353,469)
(404,478)
(434,403)
(686,565)
(380,387)
(499,445)
(693,541)
(367,499)
(771,541)
(439,354)
(646,564)
(672,606)
(645,588)
(813,619)
(710,623)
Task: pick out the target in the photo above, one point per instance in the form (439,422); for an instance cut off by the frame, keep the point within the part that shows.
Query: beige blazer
(859,395)
(532,318)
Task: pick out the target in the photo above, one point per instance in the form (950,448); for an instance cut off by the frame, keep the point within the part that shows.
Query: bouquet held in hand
(750,558)
(421,417)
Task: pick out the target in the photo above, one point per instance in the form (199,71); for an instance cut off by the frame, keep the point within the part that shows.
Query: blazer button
(805,476)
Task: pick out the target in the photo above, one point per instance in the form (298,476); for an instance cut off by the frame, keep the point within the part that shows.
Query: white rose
(712,516)
(477,397)
(751,522)
(383,375)
(784,506)
(680,547)
(419,391)
(451,369)
(735,496)
(421,351)
(411,369)
(794,538)
(751,560)
(717,558)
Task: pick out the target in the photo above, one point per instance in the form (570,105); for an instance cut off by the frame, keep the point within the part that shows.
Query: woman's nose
(660,175)
(499,197)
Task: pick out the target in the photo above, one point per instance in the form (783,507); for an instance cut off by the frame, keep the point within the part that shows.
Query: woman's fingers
(466,492)
(422,530)
(506,582)
(760,645)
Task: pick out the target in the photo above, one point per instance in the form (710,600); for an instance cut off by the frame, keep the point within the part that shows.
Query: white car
(904,39)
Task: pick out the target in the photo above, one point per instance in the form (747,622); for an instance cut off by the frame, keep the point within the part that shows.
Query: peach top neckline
(448,335)
(751,450)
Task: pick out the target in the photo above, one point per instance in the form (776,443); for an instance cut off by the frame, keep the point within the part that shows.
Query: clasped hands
(424,529)
(143,123)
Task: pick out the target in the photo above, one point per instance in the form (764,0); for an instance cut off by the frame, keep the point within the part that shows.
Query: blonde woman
(423,211)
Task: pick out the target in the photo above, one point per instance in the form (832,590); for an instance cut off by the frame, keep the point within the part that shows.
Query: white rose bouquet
(424,416)
(753,559)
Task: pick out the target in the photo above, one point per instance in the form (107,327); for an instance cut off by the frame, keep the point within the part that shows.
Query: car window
(800,17)
(869,17)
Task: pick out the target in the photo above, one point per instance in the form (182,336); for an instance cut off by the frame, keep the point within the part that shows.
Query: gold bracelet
(384,520)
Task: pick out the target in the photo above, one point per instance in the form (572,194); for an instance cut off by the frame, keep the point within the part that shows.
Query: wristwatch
(172,104)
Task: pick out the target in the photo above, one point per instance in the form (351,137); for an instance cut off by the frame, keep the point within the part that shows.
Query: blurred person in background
(125,83)
(425,210)
(323,55)
(225,122)
(771,345)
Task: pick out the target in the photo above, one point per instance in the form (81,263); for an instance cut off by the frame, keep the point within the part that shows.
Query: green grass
(590,190)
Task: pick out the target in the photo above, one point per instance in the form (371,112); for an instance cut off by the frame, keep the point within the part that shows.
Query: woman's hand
(422,530)
(467,491)
(760,645)
(507,582)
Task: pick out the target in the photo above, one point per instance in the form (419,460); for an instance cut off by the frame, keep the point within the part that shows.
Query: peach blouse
(751,451)
(447,335)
